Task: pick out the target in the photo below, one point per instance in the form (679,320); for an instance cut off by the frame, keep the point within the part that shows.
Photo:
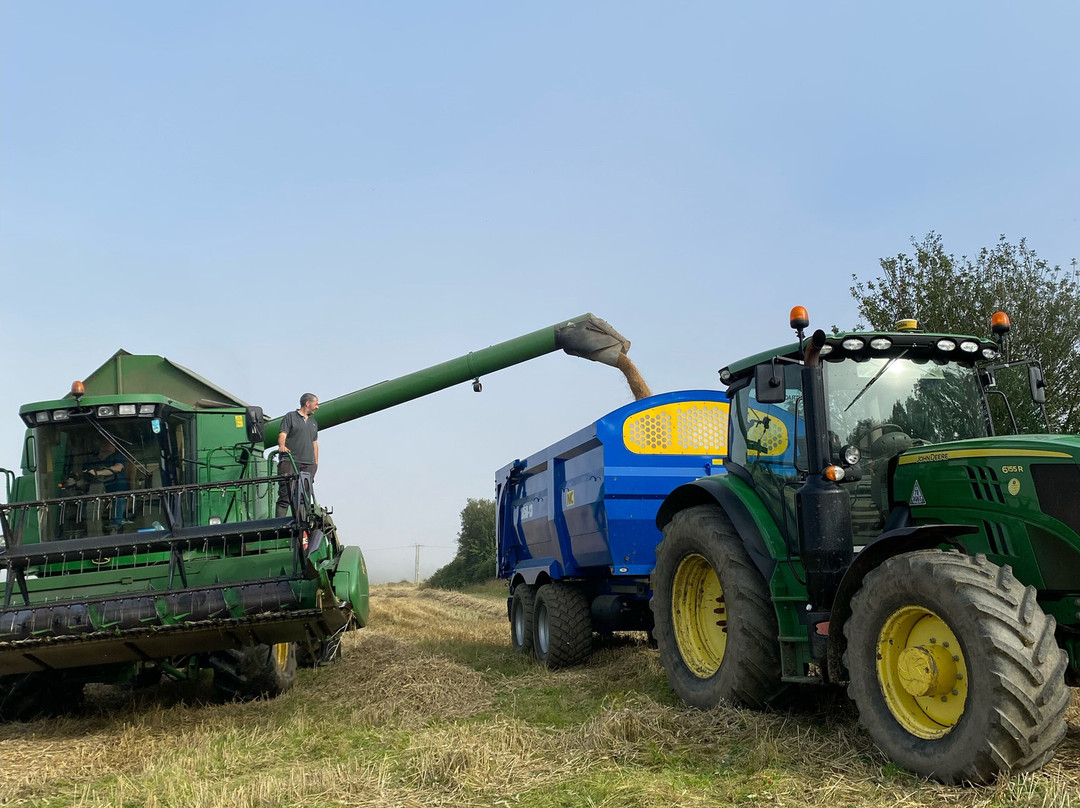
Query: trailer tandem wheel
(955,668)
(562,626)
(521,618)
(715,623)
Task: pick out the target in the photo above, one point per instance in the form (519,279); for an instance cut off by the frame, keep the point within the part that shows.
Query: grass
(430,707)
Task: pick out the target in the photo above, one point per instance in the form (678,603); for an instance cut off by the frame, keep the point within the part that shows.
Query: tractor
(893,519)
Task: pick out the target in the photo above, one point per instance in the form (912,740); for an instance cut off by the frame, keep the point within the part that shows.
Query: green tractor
(141,538)
(886,522)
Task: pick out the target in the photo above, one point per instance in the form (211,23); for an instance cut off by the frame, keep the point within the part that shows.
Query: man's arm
(315,446)
(281,441)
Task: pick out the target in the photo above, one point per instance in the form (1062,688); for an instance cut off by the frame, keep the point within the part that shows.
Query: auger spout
(586,336)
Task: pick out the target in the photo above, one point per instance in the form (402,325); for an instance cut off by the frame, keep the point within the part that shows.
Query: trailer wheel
(562,626)
(261,671)
(954,667)
(715,623)
(521,618)
(43,694)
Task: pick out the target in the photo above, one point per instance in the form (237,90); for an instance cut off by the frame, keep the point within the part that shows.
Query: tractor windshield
(885,405)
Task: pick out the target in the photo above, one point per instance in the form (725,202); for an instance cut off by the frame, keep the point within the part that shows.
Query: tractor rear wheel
(715,623)
(954,667)
(42,694)
(562,626)
(521,618)
(261,671)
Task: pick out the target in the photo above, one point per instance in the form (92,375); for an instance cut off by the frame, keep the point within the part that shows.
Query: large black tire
(562,626)
(715,622)
(521,618)
(261,671)
(44,694)
(955,668)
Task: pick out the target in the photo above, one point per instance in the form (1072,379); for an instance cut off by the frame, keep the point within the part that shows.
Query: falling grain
(633,377)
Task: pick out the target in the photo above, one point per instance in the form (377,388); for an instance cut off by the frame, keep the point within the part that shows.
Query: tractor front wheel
(715,623)
(954,667)
(562,626)
(521,618)
(261,671)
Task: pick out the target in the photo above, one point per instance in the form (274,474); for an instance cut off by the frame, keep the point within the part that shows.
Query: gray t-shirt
(300,436)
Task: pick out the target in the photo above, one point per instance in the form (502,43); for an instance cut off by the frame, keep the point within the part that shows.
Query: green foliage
(475,559)
(959,295)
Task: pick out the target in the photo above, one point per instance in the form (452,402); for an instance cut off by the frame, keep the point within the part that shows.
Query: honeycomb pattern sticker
(688,427)
(773,440)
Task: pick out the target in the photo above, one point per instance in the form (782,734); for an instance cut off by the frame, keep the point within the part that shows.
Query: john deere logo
(1014,486)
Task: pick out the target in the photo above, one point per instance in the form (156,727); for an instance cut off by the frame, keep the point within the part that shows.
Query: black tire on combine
(562,626)
(954,667)
(716,626)
(44,694)
(521,618)
(260,671)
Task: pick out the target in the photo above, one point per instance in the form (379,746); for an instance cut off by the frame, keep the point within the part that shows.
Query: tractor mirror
(769,387)
(1037,384)
(256,424)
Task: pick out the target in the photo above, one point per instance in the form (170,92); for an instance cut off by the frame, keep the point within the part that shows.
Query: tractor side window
(768,440)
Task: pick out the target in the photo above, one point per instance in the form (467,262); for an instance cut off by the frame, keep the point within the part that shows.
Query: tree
(475,559)
(951,295)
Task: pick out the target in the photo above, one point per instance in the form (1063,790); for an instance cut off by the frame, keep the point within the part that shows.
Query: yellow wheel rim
(281,654)
(699,616)
(922,672)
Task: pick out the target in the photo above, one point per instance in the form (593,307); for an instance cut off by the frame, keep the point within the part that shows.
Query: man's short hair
(306,398)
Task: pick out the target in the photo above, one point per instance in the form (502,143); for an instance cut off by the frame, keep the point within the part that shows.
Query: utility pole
(416,573)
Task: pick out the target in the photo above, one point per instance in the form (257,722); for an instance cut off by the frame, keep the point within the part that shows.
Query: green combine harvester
(140,538)
(887,522)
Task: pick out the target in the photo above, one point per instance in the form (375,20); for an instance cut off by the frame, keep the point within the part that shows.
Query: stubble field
(430,707)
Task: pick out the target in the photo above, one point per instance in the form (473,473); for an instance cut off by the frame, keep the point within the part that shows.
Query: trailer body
(581,514)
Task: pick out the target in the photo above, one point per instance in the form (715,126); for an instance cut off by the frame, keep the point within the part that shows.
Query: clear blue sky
(288,197)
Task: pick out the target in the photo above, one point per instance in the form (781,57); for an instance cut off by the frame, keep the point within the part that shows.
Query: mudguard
(760,535)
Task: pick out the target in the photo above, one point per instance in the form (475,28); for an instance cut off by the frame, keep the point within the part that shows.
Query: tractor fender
(351,582)
(891,543)
(721,491)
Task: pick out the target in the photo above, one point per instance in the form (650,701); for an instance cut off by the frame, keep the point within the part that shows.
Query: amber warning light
(1000,323)
(799,318)
(78,389)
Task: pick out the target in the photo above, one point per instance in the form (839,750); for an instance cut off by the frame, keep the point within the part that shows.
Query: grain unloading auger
(176,563)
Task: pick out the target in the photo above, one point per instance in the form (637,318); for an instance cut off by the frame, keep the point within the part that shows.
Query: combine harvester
(177,563)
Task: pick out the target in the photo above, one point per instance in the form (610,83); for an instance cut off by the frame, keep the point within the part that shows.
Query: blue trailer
(576,522)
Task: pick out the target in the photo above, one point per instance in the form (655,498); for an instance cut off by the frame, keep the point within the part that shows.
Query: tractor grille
(1058,487)
(985,484)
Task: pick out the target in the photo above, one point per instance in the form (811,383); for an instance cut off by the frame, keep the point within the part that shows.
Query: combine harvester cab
(575,522)
(140,538)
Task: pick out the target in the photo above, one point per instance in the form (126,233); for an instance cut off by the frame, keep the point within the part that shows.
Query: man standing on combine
(299,437)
